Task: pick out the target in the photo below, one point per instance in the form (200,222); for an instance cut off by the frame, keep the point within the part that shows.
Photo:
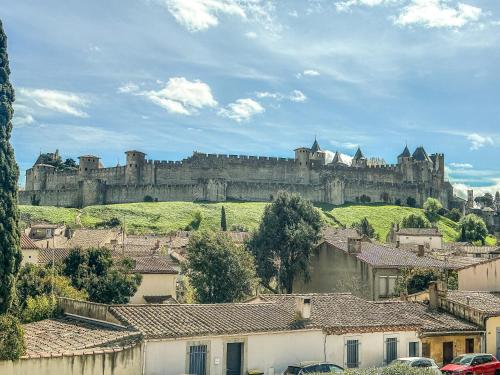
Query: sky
(258,77)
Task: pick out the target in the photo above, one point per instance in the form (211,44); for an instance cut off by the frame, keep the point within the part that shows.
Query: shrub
(39,308)
(454,215)
(411,202)
(365,199)
(473,228)
(432,207)
(415,221)
(12,345)
(148,198)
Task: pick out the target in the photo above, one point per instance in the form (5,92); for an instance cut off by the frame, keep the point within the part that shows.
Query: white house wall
(272,353)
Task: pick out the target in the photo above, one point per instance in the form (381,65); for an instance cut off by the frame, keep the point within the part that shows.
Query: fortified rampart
(212,177)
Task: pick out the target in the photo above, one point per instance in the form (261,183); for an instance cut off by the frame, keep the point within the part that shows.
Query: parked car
(473,364)
(419,362)
(313,368)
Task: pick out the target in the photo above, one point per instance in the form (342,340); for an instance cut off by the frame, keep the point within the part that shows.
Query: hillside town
(226,263)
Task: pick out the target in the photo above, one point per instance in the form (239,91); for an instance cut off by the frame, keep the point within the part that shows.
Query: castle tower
(316,153)
(87,164)
(134,167)
(405,156)
(470,198)
(359,160)
(39,176)
(302,157)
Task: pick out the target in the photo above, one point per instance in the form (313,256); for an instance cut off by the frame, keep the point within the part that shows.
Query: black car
(313,368)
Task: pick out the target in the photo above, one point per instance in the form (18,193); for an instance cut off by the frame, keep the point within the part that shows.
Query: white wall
(155,285)
(433,242)
(29,256)
(480,277)
(272,353)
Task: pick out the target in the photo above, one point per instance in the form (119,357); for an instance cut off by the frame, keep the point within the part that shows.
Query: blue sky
(258,77)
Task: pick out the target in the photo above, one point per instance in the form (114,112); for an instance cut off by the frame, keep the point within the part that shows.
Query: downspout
(324,346)
(144,358)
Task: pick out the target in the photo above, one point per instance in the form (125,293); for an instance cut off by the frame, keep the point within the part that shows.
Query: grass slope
(164,217)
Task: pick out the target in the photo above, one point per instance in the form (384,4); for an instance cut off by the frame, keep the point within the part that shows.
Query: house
(481,308)
(469,250)
(428,237)
(346,262)
(482,276)
(29,250)
(74,345)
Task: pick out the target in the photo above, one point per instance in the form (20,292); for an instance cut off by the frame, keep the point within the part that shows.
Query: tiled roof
(154,264)
(45,256)
(27,243)
(471,249)
(419,232)
(379,255)
(428,319)
(486,302)
(45,226)
(87,238)
(57,336)
(333,312)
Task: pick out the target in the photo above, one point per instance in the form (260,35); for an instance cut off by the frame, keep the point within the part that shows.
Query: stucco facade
(210,177)
(429,241)
(483,276)
(155,284)
(273,352)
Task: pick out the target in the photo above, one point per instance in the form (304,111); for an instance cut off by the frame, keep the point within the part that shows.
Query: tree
(432,207)
(454,215)
(218,269)
(411,202)
(364,227)
(416,280)
(415,221)
(10,252)
(12,345)
(485,201)
(473,228)
(283,244)
(223,222)
(105,280)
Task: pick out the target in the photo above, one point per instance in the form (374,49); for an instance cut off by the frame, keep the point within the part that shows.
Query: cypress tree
(223,222)
(10,253)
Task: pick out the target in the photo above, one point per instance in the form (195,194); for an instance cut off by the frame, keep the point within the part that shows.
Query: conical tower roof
(420,154)
(359,154)
(315,147)
(337,158)
(406,153)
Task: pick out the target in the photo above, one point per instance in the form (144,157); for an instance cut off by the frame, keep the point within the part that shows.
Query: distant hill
(164,217)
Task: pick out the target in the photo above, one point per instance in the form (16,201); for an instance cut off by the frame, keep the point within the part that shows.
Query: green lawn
(164,217)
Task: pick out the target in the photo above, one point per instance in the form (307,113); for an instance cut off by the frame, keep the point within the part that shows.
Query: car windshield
(463,360)
(292,370)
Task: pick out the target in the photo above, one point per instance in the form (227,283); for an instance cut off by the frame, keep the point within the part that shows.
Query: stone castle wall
(212,177)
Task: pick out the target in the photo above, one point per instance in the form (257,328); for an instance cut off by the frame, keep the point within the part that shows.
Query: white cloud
(251,35)
(58,101)
(199,15)
(294,96)
(478,141)
(437,14)
(128,88)
(346,5)
(460,189)
(311,73)
(241,110)
(182,96)
(461,165)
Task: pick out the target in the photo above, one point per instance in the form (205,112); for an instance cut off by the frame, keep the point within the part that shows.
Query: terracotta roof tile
(485,302)
(27,243)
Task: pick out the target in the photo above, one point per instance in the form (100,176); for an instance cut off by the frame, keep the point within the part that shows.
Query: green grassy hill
(164,217)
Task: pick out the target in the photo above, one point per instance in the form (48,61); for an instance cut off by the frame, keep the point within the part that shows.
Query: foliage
(485,201)
(385,197)
(454,215)
(196,221)
(35,285)
(218,269)
(239,228)
(148,198)
(113,222)
(10,252)
(364,227)
(223,221)
(365,199)
(105,280)
(473,228)
(432,208)
(415,221)
(12,345)
(283,245)
(411,202)
(416,280)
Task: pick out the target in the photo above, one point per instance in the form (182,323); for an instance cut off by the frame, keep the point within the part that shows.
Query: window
(469,345)
(352,353)
(387,285)
(426,350)
(391,349)
(198,359)
(413,349)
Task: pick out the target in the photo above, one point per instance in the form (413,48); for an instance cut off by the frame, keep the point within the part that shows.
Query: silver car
(418,362)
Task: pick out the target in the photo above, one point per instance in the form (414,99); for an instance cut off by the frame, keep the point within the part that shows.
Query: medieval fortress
(317,175)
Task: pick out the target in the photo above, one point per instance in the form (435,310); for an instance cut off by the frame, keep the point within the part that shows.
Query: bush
(398,202)
(148,198)
(195,222)
(12,345)
(391,370)
(454,215)
(415,221)
(39,308)
(473,228)
(365,228)
(411,202)
(365,199)
(432,207)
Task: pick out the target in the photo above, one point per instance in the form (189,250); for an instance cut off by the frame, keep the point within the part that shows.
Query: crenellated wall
(214,177)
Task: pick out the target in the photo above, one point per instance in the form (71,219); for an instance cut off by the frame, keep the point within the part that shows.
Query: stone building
(316,174)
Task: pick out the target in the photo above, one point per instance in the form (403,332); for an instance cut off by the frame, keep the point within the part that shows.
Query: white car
(418,362)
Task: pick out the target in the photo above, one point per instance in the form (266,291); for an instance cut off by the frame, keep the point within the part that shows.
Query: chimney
(303,307)
(398,244)
(421,251)
(354,245)
(157,245)
(435,289)
(68,233)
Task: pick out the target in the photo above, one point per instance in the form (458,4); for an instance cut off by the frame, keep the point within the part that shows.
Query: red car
(473,364)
